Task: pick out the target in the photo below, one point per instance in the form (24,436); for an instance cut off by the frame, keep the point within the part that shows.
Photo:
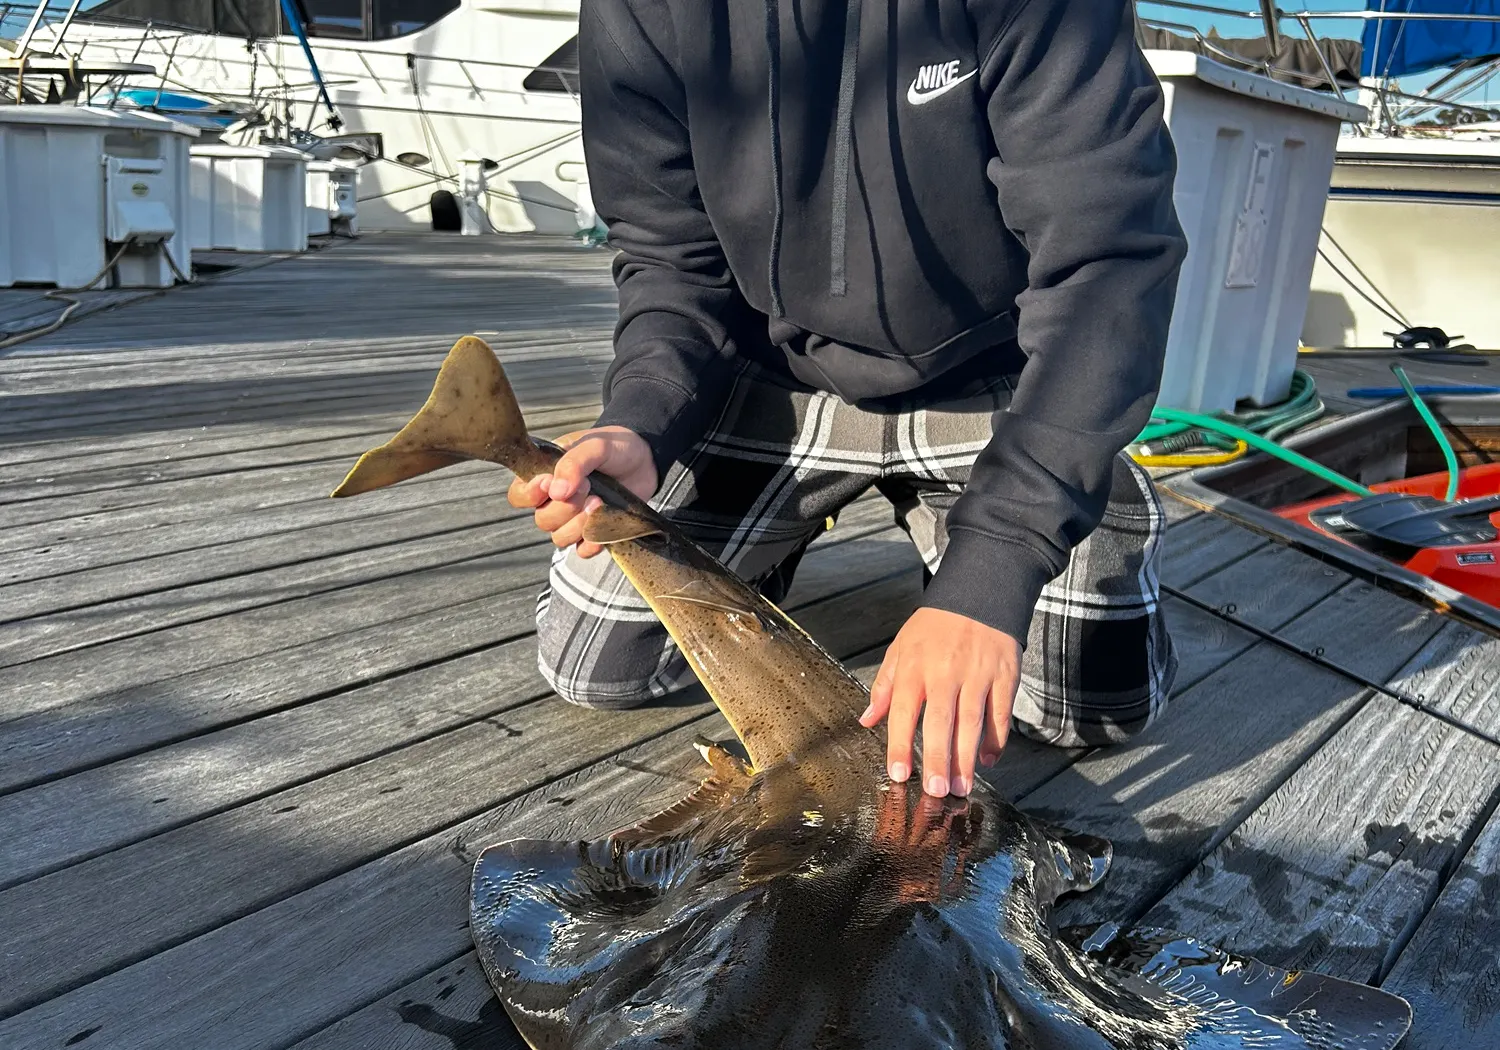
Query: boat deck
(251,738)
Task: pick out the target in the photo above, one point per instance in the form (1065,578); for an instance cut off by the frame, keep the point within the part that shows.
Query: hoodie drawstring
(773,53)
(842,149)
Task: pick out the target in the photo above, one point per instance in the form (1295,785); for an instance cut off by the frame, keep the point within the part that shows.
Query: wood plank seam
(1318,657)
(1450,869)
(229,723)
(188,621)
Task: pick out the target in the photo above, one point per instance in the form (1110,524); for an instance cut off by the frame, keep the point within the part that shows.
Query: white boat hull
(468,100)
(1415,225)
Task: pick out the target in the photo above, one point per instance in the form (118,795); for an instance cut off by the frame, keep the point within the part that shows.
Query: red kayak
(1472,569)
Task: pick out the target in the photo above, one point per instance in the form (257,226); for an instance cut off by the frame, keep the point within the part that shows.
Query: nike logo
(934,80)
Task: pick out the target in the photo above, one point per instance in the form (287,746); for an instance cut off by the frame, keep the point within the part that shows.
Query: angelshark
(802,900)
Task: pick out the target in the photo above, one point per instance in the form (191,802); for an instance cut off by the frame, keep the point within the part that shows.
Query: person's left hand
(966,674)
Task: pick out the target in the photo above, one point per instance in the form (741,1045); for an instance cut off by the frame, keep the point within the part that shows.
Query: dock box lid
(1184,64)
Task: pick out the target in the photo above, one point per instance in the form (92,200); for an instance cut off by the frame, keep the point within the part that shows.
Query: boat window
(344,19)
(394,18)
(557,72)
(337,18)
(242,18)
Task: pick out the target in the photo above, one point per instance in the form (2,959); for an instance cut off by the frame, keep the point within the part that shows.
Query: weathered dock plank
(1201,546)
(93,729)
(1259,588)
(478,559)
(102,808)
(1336,867)
(1169,798)
(1450,969)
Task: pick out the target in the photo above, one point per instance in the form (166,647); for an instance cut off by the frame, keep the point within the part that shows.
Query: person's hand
(966,674)
(561,499)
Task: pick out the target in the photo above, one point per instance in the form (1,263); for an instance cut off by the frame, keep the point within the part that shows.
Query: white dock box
(1255,157)
(249,198)
(332,197)
(77,182)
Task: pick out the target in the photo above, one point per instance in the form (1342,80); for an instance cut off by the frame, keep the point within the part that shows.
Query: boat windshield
(263,19)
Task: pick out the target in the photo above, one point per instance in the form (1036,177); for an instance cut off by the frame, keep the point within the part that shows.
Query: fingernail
(559,489)
(867,713)
(988,760)
(592,504)
(961,786)
(899,772)
(937,785)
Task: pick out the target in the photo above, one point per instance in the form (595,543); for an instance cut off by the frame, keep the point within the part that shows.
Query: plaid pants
(1098,662)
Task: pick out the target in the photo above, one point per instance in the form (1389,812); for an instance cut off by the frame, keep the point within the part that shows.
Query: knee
(1079,713)
(595,694)
(604,662)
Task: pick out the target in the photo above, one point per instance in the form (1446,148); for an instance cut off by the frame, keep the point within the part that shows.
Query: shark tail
(472,413)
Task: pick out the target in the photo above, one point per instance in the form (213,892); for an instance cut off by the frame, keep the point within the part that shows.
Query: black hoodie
(875,197)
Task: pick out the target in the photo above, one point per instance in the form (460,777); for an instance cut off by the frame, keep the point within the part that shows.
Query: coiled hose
(1262,427)
(1197,442)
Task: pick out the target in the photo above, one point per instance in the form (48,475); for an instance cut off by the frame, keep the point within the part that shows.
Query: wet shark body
(803,900)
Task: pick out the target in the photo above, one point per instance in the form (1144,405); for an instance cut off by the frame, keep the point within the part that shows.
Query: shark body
(801,900)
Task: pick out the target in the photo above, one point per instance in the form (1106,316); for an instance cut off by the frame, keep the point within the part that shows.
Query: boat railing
(1389,105)
(46,14)
(389,71)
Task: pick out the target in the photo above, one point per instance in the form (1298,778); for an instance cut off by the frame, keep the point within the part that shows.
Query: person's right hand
(561,499)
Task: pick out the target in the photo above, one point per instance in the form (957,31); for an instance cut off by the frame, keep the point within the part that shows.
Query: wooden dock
(251,738)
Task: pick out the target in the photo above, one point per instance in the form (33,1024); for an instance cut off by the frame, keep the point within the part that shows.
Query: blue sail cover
(1397,47)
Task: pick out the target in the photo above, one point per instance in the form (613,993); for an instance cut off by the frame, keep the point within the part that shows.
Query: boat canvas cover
(1398,47)
(1291,60)
(260,19)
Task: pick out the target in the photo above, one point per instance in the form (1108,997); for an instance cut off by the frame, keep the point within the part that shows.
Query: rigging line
(1393,313)
(1360,291)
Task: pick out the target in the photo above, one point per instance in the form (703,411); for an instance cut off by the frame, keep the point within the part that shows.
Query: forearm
(1085,169)
(674,353)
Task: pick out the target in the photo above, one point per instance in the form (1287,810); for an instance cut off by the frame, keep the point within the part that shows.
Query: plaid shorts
(1098,663)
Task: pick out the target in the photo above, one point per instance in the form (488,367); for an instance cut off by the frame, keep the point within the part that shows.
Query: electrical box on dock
(249,198)
(79,184)
(1255,157)
(332,198)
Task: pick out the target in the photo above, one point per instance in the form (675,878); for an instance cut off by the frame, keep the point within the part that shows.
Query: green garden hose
(1301,407)
(1256,441)
(1437,431)
(1171,431)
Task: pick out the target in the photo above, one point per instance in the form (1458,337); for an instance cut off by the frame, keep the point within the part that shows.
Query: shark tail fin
(471,413)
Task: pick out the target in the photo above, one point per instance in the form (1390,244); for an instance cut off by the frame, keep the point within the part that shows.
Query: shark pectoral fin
(702,593)
(719,790)
(726,766)
(609,525)
(471,413)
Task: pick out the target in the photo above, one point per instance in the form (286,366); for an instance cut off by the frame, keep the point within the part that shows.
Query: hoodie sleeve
(674,359)
(1084,167)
